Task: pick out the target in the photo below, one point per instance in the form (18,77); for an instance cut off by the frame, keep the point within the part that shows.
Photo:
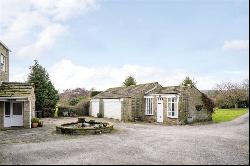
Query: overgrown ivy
(208,103)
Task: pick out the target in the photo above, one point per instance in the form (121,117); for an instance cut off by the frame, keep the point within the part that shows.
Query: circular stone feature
(82,127)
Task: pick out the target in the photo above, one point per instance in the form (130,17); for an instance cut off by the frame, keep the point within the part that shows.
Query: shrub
(81,109)
(208,103)
(40,123)
(74,101)
(35,120)
(91,122)
(199,107)
(99,115)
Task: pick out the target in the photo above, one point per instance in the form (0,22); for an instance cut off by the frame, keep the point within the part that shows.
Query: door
(95,108)
(17,114)
(7,116)
(112,108)
(160,109)
(13,114)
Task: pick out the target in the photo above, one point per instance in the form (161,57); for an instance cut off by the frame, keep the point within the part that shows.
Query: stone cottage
(153,103)
(17,100)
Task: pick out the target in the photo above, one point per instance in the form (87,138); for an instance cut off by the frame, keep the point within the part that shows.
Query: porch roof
(15,90)
(167,90)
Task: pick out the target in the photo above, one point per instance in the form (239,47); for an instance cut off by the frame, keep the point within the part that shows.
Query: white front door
(112,108)
(160,109)
(13,114)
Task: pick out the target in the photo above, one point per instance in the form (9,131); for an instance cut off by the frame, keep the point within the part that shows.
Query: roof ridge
(132,85)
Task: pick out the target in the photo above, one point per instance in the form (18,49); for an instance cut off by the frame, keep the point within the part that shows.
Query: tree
(230,95)
(129,81)
(45,92)
(188,81)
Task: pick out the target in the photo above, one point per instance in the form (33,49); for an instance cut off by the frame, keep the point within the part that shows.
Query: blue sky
(87,43)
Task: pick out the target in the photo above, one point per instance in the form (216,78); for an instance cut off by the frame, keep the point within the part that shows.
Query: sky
(98,43)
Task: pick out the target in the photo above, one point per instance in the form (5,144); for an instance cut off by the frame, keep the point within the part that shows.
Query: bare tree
(231,94)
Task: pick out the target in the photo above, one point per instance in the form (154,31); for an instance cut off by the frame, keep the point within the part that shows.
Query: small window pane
(169,106)
(17,108)
(7,108)
(169,99)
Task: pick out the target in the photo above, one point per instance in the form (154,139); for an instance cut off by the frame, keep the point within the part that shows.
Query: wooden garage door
(112,108)
(94,108)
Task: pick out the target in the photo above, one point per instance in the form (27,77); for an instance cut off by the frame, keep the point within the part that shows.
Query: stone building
(153,103)
(17,100)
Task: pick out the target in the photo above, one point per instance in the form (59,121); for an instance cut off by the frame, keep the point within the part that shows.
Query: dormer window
(3,63)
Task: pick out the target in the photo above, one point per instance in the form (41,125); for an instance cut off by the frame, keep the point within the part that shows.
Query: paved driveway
(224,143)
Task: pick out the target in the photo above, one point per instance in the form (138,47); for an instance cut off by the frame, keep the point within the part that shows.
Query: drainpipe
(30,114)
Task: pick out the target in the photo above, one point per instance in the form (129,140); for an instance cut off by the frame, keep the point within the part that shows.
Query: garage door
(112,108)
(94,108)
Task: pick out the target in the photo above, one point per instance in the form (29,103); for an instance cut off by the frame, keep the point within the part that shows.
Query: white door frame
(159,112)
(14,120)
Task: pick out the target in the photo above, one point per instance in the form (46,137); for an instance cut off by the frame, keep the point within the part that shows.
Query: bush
(40,123)
(91,122)
(81,109)
(74,101)
(99,115)
(35,120)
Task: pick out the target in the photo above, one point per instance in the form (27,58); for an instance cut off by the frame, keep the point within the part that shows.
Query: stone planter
(34,125)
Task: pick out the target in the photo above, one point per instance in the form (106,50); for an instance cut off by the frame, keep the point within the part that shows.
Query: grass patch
(223,115)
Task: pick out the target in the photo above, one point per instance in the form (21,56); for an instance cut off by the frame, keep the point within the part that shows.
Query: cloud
(236,45)
(31,27)
(45,41)
(67,75)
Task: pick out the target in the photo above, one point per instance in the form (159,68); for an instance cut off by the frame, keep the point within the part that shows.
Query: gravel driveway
(130,143)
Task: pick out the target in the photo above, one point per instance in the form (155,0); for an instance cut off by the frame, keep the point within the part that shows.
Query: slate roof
(120,92)
(12,89)
(167,90)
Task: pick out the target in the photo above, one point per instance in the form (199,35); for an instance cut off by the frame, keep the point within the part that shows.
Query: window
(17,109)
(149,106)
(172,107)
(2,63)
(7,109)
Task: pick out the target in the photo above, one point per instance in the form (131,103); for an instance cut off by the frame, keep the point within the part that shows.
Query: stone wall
(127,110)
(4,76)
(193,97)
(101,107)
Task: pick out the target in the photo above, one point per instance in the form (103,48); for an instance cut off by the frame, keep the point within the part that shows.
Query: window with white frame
(2,63)
(172,107)
(149,106)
